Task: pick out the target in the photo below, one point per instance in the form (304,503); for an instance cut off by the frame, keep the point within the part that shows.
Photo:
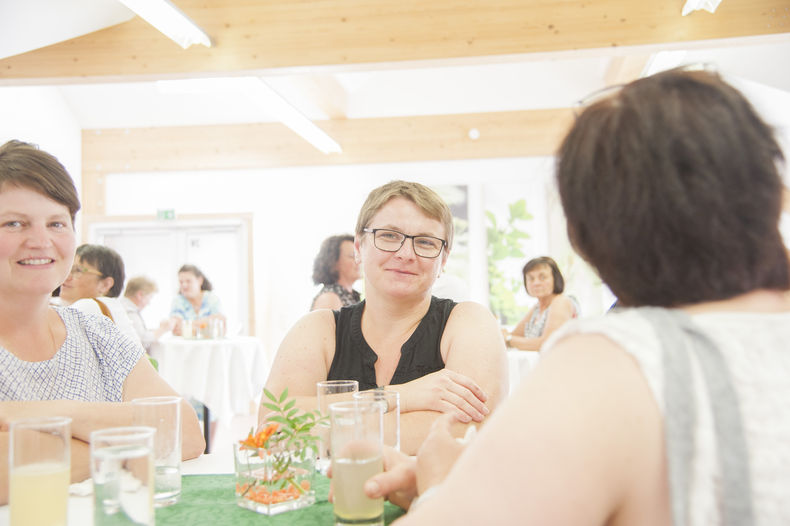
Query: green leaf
(284,395)
(270,396)
(273,407)
(289,405)
(280,420)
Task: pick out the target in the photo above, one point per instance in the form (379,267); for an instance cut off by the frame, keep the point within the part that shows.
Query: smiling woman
(441,357)
(58,361)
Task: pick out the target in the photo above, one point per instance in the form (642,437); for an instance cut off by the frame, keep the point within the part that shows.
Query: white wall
(294,209)
(41,116)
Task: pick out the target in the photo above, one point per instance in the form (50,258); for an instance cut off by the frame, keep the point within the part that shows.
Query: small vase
(274,480)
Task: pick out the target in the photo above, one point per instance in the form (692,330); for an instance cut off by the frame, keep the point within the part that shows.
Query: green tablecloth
(210,499)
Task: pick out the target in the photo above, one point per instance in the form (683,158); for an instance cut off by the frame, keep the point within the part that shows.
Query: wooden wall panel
(251,35)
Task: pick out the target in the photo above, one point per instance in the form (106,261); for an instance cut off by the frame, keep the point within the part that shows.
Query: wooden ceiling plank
(252,35)
(260,146)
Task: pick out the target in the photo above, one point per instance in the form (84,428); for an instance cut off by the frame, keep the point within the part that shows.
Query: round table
(225,374)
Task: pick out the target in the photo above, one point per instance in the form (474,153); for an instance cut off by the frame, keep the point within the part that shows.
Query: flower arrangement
(275,466)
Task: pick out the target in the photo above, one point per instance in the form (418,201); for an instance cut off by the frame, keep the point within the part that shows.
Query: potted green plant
(275,466)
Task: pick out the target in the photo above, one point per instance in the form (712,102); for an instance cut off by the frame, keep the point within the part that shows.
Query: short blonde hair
(426,200)
(139,283)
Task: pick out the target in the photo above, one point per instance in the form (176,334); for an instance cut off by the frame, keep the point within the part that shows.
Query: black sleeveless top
(420,355)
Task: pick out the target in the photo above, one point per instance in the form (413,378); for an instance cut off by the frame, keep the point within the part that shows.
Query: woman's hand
(438,454)
(445,391)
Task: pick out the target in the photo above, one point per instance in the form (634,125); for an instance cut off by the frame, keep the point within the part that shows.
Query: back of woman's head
(24,165)
(198,274)
(108,262)
(672,192)
(324,265)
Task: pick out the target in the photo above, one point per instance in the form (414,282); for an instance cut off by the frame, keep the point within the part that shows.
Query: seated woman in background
(94,284)
(674,412)
(59,361)
(195,300)
(336,268)
(542,280)
(441,357)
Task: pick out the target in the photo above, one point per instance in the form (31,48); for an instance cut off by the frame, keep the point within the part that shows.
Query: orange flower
(259,440)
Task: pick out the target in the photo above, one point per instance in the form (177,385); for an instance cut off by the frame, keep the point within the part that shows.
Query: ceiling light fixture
(170,20)
(263,96)
(697,5)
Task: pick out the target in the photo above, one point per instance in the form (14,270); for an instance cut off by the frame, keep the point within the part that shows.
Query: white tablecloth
(226,374)
(520,363)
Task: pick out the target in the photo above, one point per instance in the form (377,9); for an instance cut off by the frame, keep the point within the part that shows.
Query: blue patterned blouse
(91,365)
(183,309)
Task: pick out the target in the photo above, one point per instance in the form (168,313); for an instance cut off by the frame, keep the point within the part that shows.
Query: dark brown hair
(198,274)
(559,282)
(325,263)
(24,165)
(672,192)
(108,262)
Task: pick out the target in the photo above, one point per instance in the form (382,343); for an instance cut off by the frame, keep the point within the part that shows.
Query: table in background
(225,374)
(520,363)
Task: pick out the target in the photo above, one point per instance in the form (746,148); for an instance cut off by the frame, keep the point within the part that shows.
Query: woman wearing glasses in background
(441,357)
(59,361)
(94,284)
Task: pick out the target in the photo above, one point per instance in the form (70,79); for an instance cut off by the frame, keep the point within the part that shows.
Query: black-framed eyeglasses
(392,240)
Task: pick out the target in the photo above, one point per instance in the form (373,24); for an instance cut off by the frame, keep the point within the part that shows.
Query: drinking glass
(330,391)
(163,413)
(390,401)
(356,445)
(122,466)
(39,471)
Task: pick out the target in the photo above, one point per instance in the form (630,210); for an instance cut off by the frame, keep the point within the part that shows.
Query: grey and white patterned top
(756,348)
(91,365)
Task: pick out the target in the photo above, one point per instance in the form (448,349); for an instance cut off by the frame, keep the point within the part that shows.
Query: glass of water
(163,413)
(327,392)
(122,467)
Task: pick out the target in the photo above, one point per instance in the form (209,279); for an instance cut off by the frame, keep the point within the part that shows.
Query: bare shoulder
(304,354)
(327,300)
(471,312)
(562,303)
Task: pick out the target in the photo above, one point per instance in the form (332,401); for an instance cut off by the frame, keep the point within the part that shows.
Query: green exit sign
(166,215)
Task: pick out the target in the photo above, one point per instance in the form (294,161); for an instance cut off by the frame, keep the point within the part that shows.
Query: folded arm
(472,384)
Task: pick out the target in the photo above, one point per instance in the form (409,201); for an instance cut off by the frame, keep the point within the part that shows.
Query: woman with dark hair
(195,300)
(54,360)
(672,409)
(335,268)
(94,283)
(543,281)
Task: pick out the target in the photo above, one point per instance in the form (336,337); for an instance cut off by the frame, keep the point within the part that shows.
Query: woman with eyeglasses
(544,282)
(673,409)
(441,357)
(94,284)
(57,361)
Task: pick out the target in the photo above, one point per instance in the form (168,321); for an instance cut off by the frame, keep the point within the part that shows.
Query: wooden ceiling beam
(380,140)
(250,35)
